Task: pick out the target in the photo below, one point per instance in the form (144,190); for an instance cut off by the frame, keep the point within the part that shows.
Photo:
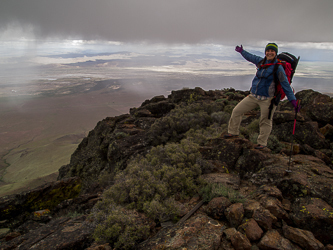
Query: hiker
(261,94)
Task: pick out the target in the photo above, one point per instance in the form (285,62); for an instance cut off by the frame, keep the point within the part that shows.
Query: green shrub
(106,179)
(161,209)
(220,117)
(231,94)
(74,214)
(121,227)
(224,100)
(172,127)
(274,144)
(253,127)
(151,185)
(243,132)
(228,109)
(253,138)
(212,190)
(202,136)
(233,103)
(166,171)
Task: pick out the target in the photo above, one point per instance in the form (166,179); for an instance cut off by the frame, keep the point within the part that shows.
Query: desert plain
(40,131)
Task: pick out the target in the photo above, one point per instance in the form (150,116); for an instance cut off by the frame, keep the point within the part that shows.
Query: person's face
(270,54)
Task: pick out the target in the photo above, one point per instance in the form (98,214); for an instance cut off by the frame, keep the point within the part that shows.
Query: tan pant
(247,104)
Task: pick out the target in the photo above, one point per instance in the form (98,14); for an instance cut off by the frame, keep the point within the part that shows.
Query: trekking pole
(292,137)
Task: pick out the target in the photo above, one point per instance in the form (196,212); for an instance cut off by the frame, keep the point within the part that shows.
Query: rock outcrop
(288,199)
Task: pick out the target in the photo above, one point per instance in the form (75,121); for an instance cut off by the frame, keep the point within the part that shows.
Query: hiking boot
(228,136)
(260,147)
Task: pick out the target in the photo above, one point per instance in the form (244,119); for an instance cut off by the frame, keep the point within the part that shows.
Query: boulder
(251,229)
(273,240)
(186,95)
(286,116)
(264,218)
(60,233)
(275,206)
(240,241)
(251,161)
(306,149)
(322,113)
(309,97)
(47,196)
(317,106)
(250,206)
(200,231)
(269,190)
(315,215)
(226,151)
(301,237)
(327,131)
(155,108)
(217,207)
(229,232)
(235,214)
(305,133)
(308,176)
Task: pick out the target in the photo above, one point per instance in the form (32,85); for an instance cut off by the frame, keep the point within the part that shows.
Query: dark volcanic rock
(288,200)
(48,196)
(251,229)
(305,133)
(61,233)
(273,240)
(302,237)
(199,232)
(317,106)
(115,140)
(315,215)
(217,207)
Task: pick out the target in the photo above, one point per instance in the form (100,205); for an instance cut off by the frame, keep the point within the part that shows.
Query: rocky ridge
(283,209)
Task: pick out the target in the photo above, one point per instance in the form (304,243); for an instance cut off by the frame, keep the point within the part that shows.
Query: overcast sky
(169,21)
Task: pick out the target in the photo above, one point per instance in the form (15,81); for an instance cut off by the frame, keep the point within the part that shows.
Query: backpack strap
(277,96)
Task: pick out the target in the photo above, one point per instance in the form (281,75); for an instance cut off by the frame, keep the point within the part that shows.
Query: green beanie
(272,46)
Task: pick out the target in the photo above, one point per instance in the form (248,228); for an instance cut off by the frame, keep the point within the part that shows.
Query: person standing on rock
(262,92)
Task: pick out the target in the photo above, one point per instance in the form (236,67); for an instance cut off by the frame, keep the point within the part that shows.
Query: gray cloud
(173,21)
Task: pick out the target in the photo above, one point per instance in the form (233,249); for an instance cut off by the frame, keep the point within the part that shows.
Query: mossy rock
(44,197)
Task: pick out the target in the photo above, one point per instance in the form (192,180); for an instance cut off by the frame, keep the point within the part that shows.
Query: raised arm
(248,56)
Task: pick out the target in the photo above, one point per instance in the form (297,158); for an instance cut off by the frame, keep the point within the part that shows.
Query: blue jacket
(263,83)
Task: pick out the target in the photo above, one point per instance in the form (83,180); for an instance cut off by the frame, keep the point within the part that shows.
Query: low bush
(224,100)
(253,138)
(121,227)
(164,172)
(253,127)
(213,190)
(220,117)
(151,185)
(228,109)
(172,127)
(274,144)
(202,136)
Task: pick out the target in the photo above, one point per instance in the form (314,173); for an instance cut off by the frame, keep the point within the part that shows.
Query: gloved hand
(239,49)
(296,107)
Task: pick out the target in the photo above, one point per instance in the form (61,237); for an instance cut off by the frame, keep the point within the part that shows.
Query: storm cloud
(172,21)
